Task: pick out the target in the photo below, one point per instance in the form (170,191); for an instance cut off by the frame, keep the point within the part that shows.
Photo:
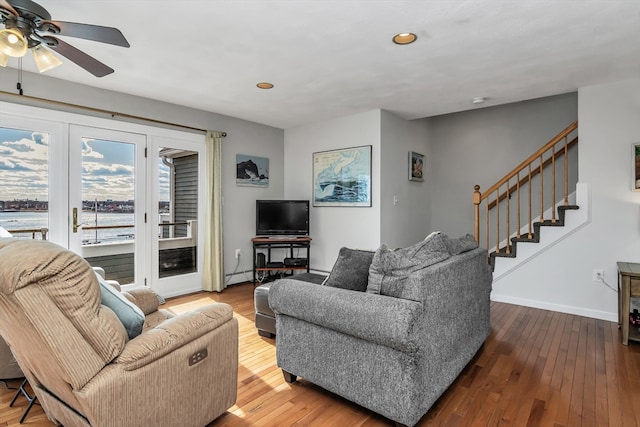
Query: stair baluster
(533,166)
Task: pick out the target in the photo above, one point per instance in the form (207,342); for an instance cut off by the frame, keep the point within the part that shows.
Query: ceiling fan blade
(87,62)
(4,4)
(96,33)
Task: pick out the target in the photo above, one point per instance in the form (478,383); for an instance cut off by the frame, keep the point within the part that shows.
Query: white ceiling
(331,58)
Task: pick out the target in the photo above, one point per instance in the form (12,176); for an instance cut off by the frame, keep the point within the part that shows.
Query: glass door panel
(177,212)
(33,167)
(24,178)
(106,226)
(177,266)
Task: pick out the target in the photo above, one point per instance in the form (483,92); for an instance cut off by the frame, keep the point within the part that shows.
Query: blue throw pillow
(129,314)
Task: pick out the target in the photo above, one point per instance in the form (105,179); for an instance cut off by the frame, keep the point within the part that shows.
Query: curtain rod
(100,110)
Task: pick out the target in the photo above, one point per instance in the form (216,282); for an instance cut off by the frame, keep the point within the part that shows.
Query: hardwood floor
(538,368)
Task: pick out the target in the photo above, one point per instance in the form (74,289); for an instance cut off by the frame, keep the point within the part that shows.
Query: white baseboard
(594,314)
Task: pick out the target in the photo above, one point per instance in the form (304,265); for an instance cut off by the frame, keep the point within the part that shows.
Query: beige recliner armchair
(80,361)
(9,368)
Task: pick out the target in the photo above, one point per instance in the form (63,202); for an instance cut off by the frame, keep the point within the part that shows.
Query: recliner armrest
(144,298)
(375,318)
(114,283)
(171,334)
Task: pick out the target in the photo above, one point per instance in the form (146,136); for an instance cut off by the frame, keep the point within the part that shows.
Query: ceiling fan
(29,26)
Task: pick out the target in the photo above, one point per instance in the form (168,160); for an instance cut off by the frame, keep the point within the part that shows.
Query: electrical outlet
(237,253)
(597,275)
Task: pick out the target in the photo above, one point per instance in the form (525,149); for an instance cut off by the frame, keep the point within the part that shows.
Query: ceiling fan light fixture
(45,59)
(13,42)
(404,38)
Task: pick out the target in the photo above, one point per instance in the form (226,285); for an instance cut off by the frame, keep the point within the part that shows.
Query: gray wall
(481,146)
(409,220)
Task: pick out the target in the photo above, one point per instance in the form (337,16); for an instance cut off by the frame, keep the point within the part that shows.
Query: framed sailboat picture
(342,177)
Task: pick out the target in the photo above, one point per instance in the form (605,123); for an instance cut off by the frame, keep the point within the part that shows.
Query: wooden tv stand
(268,243)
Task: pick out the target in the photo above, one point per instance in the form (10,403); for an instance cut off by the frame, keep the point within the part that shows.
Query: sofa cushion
(390,269)
(351,270)
(130,315)
(461,244)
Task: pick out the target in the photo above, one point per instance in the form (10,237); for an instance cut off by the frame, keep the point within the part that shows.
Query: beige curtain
(213,274)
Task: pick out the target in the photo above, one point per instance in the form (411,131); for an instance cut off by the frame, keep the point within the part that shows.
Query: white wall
(560,278)
(243,137)
(334,227)
(410,219)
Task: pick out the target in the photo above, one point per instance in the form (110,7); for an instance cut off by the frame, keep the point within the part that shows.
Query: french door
(128,200)
(107,200)
(176,199)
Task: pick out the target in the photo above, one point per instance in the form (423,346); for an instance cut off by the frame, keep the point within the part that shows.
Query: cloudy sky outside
(107,170)
(23,164)
(107,173)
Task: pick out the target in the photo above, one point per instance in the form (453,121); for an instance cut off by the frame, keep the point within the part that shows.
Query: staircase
(504,214)
(533,238)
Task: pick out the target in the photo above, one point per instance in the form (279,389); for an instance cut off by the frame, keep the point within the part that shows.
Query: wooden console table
(628,286)
(280,243)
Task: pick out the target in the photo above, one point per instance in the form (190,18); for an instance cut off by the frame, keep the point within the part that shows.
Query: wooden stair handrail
(494,195)
(535,172)
(573,126)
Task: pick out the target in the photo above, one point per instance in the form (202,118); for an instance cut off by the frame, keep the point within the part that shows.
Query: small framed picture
(416,166)
(252,171)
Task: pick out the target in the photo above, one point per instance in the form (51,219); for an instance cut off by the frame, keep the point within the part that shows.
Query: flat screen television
(282,217)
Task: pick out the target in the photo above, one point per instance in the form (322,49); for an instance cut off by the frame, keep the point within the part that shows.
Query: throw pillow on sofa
(389,269)
(461,244)
(351,270)
(130,315)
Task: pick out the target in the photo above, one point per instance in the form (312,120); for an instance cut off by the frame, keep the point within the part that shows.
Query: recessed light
(265,85)
(404,38)
(478,100)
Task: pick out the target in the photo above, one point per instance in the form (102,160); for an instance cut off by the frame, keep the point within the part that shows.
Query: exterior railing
(43,232)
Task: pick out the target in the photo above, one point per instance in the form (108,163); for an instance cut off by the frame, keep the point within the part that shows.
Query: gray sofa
(395,346)
(265,320)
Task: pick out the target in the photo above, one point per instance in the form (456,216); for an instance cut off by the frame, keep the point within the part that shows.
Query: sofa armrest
(144,298)
(379,319)
(171,334)
(114,283)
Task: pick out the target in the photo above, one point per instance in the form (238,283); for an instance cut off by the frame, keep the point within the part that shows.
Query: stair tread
(535,236)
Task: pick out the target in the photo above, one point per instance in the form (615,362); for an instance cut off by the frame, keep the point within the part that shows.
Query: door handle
(75,220)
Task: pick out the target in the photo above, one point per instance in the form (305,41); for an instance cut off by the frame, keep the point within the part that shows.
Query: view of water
(34,220)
